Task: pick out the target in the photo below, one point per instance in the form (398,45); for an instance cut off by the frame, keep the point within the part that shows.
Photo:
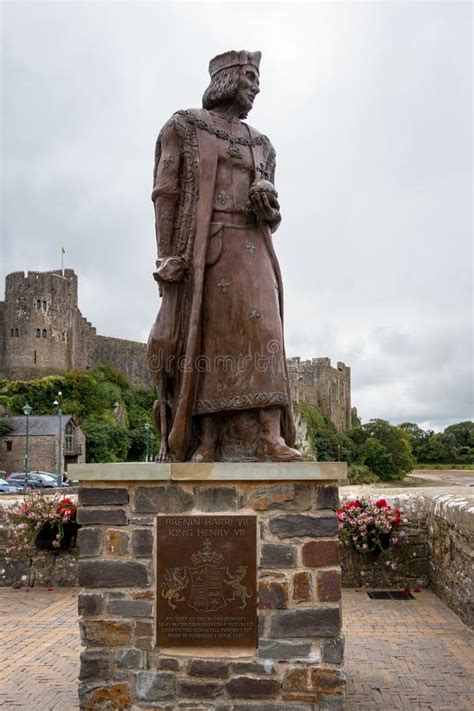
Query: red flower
(67,511)
(397,517)
(354,505)
(66,508)
(382,504)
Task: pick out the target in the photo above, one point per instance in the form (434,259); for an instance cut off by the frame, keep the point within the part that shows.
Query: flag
(63,251)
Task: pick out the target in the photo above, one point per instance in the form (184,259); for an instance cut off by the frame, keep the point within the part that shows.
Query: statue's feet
(163,455)
(278,452)
(204,453)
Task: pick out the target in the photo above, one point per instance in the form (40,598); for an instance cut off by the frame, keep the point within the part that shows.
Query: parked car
(52,476)
(6,488)
(35,481)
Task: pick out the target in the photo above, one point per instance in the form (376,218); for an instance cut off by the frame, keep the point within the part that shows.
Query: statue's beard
(243,111)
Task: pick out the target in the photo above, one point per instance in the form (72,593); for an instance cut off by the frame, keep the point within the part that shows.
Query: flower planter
(376,550)
(362,524)
(47,534)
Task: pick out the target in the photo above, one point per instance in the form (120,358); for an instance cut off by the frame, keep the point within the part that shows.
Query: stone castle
(42,332)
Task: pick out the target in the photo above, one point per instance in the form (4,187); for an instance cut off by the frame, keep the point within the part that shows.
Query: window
(12,332)
(44,305)
(38,303)
(38,333)
(8,445)
(35,357)
(44,333)
(16,332)
(69,438)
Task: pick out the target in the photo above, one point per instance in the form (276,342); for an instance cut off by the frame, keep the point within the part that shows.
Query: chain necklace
(234,141)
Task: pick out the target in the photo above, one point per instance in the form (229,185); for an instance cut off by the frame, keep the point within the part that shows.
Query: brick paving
(39,649)
(408,654)
(405,655)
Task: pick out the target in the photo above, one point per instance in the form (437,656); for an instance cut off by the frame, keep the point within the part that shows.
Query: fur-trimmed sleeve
(167,162)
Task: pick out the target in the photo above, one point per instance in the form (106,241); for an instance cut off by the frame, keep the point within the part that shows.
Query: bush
(327,443)
(361,474)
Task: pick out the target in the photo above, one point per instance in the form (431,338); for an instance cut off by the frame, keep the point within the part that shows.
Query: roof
(38,425)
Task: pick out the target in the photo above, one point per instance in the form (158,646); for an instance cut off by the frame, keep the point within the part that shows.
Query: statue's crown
(205,555)
(234,59)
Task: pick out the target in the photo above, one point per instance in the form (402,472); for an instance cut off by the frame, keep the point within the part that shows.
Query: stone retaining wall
(436,546)
(298,662)
(45,569)
(451,552)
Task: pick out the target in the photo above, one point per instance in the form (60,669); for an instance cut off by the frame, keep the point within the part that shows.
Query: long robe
(230,303)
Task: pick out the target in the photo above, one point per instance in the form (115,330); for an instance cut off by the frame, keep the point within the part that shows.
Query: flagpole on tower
(63,252)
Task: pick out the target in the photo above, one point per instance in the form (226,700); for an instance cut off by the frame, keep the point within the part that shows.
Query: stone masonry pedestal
(296,664)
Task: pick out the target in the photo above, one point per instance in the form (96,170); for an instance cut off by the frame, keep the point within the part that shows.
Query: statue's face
(249,87)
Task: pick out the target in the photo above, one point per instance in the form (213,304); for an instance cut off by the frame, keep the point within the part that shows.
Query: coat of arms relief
(208,585)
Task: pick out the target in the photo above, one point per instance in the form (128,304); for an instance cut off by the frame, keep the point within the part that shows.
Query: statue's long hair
(222,89)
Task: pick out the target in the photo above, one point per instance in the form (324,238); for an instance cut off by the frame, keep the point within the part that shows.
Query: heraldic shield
(207,583)
(207,586)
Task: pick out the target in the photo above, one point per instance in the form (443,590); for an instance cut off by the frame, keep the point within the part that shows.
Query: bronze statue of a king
(216,350)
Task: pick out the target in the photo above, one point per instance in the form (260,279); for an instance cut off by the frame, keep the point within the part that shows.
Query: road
(446,477)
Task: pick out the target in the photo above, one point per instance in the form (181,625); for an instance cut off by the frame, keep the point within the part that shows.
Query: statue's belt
(237,219)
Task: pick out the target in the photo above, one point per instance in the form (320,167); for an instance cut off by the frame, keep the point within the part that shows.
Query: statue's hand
(266,206)
(170,269)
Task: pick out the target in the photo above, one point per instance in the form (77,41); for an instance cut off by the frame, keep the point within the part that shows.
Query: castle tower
(36,322)
(316,382)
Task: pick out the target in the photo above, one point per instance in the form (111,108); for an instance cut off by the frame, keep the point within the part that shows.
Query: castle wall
(129,357)
(3,308)
(83,342)
(317,383)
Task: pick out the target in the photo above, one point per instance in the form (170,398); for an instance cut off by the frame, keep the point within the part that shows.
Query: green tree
(328,444)
(440,447)
(418,437)
(454,445)
(375,456)
(106,439)
(394,459)
(397,444)
(357,435)
(464,433)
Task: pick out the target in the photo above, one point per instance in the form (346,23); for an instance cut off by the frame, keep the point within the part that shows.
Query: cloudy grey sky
(369,108)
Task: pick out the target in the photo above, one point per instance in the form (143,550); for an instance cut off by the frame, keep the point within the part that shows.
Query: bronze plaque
(206,574)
